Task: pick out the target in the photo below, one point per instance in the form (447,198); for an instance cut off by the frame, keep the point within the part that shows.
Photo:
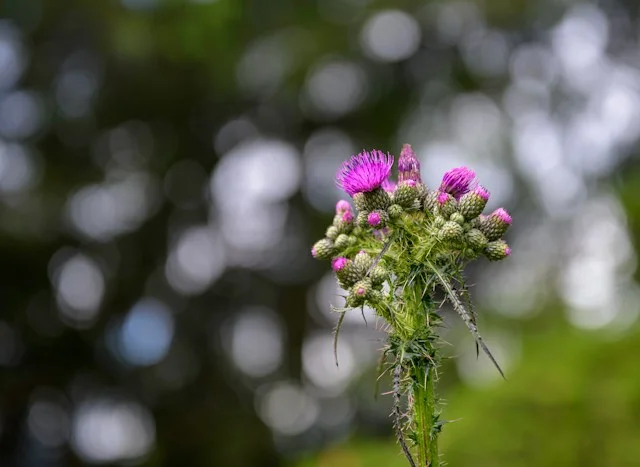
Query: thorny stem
(417,355)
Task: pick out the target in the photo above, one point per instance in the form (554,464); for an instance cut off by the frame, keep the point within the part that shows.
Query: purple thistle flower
(342,206)
(443,198)
(361,291)
(482,192)
(364,172)
(507,251)
(408,165)
(314,253)
(347,217)
(339,263)
(458,181)
(503,215)
(388,186)
(374,219)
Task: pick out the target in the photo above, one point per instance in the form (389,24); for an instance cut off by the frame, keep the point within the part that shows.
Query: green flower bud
(347,271)
(394,211)
(451,231)
(332,232)
(342,241)
(360,202)
(471,204)
(344,222)
(362,219)
(495,225)
(323,249)
(476,239)
(376,199)
(430,201)
(359,293)
(378,276)
(439,221)
(457,218)
(497,250)
(406,193)
(446,205)
(364,261)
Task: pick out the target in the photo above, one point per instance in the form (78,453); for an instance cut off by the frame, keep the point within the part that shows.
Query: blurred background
(165,166)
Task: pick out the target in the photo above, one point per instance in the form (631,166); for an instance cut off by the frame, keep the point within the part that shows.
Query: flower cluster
(452,213)
(413,240)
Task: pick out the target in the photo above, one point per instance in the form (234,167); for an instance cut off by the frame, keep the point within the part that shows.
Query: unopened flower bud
(332,232)
(344,222)
(342,241)
(323,249)
(376,199)
(342,206)
(362,219)
(476,239)
(446,205)
(406,194)
(346,271)
(363,261)
(377,219)
(394,211)
(378,275)
(451,231)
(431,201)
(359,293)
(457,218)
(471,204)
(360,202)
(496,224)
(408,165)
(497,250)
(439,221)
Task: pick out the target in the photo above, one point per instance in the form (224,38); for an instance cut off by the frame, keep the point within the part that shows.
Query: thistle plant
(403,249)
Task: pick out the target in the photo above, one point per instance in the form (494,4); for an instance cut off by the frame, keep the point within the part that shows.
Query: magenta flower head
(408,165)
(347,217)
(502,215)
(364,172)
(442,198)
(342,206)
(458,181)
(339,263)
(388,186)
(374,219)
(481,192)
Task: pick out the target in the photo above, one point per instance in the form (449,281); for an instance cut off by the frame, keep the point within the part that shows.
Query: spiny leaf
(335,335)
(466,317)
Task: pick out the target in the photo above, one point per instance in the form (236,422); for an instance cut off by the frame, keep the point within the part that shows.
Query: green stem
(426,417)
